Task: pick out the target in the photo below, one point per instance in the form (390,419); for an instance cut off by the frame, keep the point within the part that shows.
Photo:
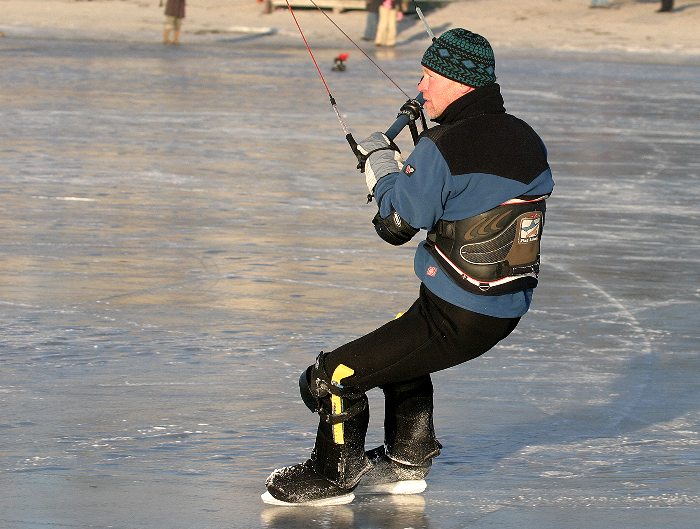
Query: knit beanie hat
(462,56)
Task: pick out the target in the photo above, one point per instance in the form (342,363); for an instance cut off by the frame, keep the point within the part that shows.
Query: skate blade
(334,500)
(408,486)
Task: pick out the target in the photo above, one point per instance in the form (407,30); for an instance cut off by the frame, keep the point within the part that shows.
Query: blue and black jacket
(477,158)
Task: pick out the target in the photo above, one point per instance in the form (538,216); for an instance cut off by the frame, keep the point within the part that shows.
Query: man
(477,182)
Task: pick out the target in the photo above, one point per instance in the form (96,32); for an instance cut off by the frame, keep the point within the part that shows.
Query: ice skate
(302,485)
(391,477)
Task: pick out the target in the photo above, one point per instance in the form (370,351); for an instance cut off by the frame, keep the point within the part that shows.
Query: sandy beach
(563,25)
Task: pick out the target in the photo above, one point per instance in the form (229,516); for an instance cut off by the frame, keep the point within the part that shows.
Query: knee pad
(310,397)
(324,394)
(314,384)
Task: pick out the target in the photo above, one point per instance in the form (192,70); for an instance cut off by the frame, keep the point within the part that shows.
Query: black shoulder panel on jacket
(498,144)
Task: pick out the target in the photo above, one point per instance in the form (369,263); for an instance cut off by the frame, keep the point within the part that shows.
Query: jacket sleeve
(419,192)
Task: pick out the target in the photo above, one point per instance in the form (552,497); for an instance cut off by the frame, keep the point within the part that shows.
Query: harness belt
(495,252)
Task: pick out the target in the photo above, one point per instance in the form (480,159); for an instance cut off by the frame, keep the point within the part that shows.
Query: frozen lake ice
(183,230)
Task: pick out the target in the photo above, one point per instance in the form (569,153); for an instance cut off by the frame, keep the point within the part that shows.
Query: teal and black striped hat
(462,56)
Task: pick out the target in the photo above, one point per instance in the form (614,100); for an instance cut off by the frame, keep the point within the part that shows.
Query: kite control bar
(408,114)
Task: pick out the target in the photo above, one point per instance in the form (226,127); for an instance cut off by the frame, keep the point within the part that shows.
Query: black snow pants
(431,336)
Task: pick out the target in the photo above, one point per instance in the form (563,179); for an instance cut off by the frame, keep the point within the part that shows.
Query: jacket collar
(484,100)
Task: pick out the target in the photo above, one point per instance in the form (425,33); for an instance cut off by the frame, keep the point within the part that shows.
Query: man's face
(439,92)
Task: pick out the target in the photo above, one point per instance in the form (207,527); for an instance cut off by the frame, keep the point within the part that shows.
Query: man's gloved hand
(382,157)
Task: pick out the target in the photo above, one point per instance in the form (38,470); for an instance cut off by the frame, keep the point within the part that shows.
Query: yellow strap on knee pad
(341,372)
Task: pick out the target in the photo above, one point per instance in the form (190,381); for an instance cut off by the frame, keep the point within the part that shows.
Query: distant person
(599,3)
(174,13)
(372,7)
(666,6)
(267,6)
(386,28)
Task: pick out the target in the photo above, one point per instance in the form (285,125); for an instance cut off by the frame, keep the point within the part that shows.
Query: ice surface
(183,230)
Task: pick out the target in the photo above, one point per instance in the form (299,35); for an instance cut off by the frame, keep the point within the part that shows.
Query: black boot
(400,466)
(338,459)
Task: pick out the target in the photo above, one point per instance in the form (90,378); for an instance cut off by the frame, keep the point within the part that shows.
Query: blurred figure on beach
(599,3)
(372,7)
(666,6)
(386,27)
(267,6)
(174,13)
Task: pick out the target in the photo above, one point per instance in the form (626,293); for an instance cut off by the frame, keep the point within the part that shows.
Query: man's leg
(176,33)
(432,335)
(390,39)
(398,357)
(167,29)
(338,459)
(401,464)
(371,26)
(382,26)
